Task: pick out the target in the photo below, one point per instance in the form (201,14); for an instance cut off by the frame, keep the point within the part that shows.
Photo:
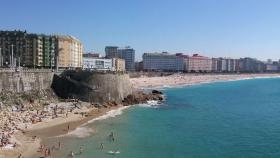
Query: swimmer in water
(81,150)
(101,146)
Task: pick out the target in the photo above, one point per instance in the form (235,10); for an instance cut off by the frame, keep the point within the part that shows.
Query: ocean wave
(84,131)
(150,104)
(109,114)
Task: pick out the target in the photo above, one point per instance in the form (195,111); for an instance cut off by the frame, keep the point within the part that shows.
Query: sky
(213,28)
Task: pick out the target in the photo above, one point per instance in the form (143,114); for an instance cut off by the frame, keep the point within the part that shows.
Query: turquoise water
(220,120)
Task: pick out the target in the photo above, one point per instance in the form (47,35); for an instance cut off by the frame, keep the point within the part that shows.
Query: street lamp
(12,57)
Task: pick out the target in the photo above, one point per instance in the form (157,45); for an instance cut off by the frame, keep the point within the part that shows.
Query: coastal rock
(141,97)
(156,92)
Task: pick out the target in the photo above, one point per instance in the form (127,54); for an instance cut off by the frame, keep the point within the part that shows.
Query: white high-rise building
(163,62)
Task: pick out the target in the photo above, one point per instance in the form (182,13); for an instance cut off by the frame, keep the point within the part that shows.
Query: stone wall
(92,86)
(88,86)
(12,81)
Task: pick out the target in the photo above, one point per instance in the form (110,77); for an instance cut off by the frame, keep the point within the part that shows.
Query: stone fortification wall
(95,87)
(22,81)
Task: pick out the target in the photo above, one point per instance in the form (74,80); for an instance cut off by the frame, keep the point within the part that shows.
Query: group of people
(19,118)
(5,139)
(72,154)
(47,151)
(101,147)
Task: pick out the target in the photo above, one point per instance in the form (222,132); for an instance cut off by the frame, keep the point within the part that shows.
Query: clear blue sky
(230,28)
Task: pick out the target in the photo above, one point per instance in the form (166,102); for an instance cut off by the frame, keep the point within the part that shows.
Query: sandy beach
(190,79)
(25,138)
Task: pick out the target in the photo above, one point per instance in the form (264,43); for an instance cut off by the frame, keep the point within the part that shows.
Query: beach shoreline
(29,141)
(60,130)
(179,80)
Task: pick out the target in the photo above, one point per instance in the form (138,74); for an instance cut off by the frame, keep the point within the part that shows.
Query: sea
(236,119)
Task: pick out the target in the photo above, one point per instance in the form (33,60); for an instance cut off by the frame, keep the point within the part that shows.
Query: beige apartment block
(197,63)
(119,64)
(70,52)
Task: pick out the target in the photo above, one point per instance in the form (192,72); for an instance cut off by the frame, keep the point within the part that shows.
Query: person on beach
(59,145)
(20,156)
(68,128)
(46,152)
(53,147)
(49,152)
(71,154)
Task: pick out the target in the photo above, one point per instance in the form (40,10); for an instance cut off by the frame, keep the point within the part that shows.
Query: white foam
(84,131)
(109,114)
(150,104)
(9,147)
(81,132)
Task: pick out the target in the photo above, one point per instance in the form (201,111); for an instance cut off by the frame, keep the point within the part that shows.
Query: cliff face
(92,86)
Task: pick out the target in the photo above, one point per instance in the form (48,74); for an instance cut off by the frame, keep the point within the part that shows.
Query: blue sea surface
(239,119)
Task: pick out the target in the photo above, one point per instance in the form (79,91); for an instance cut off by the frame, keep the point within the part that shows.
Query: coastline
(58,127)
(178,80)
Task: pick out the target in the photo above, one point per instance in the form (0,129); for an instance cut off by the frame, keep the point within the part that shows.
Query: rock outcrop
(141,97)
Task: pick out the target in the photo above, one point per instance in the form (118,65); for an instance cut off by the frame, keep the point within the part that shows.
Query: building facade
(97,64)
(19,48)
(111,52)
(139,66)
(271,68)
(250,65)
(28,50)
(128,54)
(197,63)
(226,65)
(163,62)
(215,64)
(92,55)
(118,64)
(12,46)
(70,52)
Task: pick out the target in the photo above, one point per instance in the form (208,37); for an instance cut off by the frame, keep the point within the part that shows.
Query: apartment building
(111,52)
(163,62)
(39,50)
(127,53)
(118,64)
(250,65)
(70,52)
(198,63)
